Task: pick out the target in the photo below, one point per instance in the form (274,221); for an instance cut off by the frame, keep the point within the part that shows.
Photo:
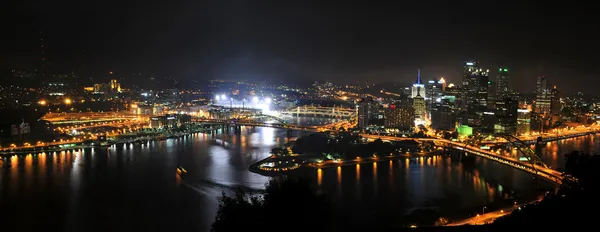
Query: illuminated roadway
(546,173)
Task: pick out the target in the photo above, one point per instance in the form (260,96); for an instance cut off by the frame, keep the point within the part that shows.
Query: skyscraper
(502,79)
(542,102)
(433,90)
(420,109)
(506,114)
(475,86)
(366,110)
(523,121)
(555,101)
(418,87)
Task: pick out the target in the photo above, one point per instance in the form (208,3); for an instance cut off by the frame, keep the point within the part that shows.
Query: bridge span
(233,122)
(535,169)
(320,111)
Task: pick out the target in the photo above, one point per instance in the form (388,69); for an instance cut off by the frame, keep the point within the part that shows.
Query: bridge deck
(546,173)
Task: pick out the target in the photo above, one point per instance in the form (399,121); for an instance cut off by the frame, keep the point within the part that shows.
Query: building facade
(475,86)
(399,117)
(523,121)
(418,88)
(543,96)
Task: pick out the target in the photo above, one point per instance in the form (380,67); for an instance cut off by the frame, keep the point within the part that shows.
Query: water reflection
(140,181)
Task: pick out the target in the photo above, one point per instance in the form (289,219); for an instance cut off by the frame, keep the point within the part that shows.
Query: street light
(483,211)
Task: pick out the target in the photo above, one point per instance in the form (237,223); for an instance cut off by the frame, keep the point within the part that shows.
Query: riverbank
(108,143)
(275,166)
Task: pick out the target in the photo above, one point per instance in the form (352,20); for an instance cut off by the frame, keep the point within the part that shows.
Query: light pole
(483,211)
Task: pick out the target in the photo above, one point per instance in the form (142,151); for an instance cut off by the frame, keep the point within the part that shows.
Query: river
(136,188)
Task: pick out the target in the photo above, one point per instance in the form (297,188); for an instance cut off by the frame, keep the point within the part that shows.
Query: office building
(442,114)
(420,109)
(543,96)
(367,108)
(506,114)
(399,117)
(555,101)
(475,86)
(502,78)
(418,88)
(523,121)
(433,91)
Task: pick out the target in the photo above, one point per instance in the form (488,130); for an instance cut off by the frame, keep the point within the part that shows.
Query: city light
(42,102)
(68,101)
(217,97)
(255,99)
(268,100)
(223,97)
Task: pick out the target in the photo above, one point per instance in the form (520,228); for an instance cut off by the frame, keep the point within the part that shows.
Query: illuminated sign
(485,147)
(523,159)
(170,118)
(506,70)
(488,113)
(469,63)
(523,110)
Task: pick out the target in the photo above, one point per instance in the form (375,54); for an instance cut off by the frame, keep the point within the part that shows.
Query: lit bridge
(533,163)
(260,120)
(320,111)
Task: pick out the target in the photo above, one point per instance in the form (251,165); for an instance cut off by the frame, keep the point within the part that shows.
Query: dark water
(136,188)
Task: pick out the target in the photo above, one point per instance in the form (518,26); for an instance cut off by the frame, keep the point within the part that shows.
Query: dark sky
(326,40)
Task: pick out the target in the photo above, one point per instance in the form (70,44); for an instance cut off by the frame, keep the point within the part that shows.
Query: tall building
(442,115)
(366,109)
(420,109)
(442,82)
(475,86)
(523,121)
(506,115)
(433,90)
(400,117)
(418,88)
(555,101)
(502,79)
(543,96)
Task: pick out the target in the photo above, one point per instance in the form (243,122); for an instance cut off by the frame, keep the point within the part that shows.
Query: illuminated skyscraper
(502,79)
(420,109)
(543,96)
(475,86)
(418,87)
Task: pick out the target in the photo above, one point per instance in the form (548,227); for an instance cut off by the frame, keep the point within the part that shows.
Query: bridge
(255,120)
(532,163)
(320,111)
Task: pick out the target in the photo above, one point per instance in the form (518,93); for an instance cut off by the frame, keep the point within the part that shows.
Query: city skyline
(306,41)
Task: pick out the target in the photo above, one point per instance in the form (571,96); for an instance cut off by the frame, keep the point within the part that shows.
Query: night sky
(308,40)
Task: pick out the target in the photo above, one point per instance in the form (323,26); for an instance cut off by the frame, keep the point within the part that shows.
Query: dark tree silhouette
(287,204)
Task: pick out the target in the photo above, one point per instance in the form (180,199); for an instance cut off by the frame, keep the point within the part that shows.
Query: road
(547,173)
(483,218)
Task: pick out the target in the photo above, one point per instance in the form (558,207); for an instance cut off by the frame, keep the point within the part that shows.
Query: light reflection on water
(138,182)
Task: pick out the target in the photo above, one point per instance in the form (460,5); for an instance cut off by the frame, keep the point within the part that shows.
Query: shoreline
(81,145)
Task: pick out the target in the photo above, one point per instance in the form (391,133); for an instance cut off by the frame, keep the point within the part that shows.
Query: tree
(288,203)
